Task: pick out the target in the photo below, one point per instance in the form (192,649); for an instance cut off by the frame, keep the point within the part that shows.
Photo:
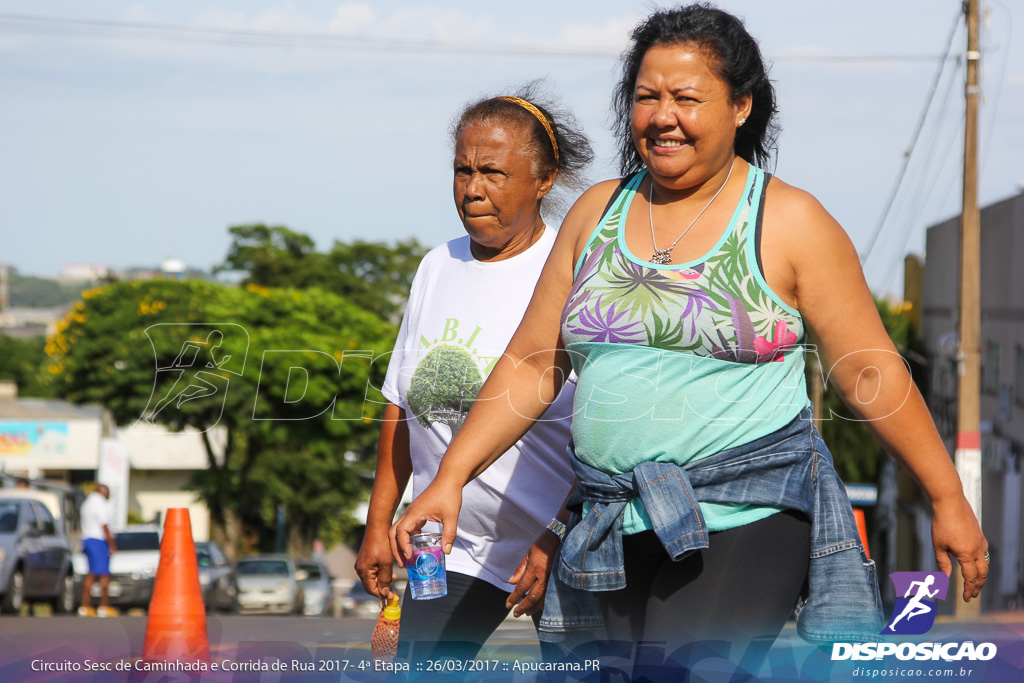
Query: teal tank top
(678,362)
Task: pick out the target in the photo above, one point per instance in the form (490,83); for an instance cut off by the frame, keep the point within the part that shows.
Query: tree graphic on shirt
(444,386)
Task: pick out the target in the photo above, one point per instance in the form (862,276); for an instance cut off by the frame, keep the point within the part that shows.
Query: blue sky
(123,149)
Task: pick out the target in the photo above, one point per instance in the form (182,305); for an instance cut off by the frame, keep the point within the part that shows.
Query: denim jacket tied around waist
(790,468)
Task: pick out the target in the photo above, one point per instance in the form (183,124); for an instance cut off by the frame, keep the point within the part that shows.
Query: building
(160,466)
(25,322)
(82,272)
(1002,376)
(146,467)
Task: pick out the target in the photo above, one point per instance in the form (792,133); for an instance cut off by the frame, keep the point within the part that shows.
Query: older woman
(709,500)
(467,299)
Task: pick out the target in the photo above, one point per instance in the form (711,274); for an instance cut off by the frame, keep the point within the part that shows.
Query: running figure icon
(916,605)
(186,362)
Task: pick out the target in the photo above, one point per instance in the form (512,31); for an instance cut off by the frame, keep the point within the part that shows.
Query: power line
(926,186)
(913,141)
(83,28)
(939,141)
(176,33)
(925,175)
(999,81)
(947,190)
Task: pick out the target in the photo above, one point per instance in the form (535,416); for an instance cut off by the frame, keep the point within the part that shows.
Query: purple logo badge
(916,597)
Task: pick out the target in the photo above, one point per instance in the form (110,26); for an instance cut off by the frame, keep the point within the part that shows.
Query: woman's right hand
(374,564)
(438,503)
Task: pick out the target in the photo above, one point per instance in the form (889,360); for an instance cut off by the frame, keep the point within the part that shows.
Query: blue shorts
(98,553)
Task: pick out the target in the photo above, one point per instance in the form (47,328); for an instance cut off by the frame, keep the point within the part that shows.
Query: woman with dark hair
(710,506)
(467,299)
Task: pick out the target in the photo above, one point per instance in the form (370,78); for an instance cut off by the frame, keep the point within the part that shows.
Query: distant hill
(41,292)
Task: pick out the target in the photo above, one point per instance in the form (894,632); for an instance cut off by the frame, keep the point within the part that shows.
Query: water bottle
(427,578)
(384,641)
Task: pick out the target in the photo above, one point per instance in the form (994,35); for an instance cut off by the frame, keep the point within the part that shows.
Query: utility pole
(968,437)
(5,301)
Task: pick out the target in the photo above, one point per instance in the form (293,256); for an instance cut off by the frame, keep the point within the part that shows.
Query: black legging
(456,626)
(742,588)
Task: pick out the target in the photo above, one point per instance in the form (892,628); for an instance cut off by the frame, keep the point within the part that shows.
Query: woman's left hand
(531,578)
(817,267)
(956,532)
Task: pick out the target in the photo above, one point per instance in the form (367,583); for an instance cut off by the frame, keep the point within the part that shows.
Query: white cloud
(613,35)
(420,23)
(283,20)
(140,13)
(352,19)
(281,54)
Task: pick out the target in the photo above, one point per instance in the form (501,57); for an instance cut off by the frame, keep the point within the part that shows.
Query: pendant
(662,257)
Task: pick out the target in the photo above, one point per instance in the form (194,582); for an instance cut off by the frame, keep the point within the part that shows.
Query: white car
(132,568)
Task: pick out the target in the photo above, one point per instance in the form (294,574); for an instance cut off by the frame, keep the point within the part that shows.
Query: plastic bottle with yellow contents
(384,642)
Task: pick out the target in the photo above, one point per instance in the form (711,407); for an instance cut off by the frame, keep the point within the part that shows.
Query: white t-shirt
(460,317)
(95,513)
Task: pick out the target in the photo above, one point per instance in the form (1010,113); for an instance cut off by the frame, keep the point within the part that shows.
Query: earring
(741,122)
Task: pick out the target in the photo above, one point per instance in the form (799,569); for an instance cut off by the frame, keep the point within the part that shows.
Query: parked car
(132,567)
(62,501)
(35,558)
(216,577)
(268,583)
(358,603)
(317,589)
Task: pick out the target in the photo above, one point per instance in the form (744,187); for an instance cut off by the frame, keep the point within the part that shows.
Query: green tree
(274,256)
(279,449)
(24,362)
(372,275)
(444,386)
(318,464)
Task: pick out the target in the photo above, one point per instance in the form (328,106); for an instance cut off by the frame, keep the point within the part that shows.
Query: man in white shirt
(98,545)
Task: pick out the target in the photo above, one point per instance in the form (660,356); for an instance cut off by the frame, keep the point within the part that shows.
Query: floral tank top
(677,362)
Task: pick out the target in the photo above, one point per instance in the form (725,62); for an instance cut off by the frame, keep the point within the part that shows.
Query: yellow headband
(540,117)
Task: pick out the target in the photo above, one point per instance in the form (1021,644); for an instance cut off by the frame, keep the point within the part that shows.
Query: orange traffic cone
(176,629)
(862,529)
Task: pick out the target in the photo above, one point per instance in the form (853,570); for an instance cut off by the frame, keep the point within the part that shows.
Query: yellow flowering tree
(285,373)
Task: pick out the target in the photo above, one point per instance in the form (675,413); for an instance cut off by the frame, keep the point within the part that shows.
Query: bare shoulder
(807,255)
(795,221)
(585,214)
(591,204)
(603,190)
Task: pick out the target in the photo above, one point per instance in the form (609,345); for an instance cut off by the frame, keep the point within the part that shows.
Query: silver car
(35,559)
(319,593)
(268,583)
(216,577)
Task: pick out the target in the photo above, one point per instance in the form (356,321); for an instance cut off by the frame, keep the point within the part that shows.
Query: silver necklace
(663,257)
